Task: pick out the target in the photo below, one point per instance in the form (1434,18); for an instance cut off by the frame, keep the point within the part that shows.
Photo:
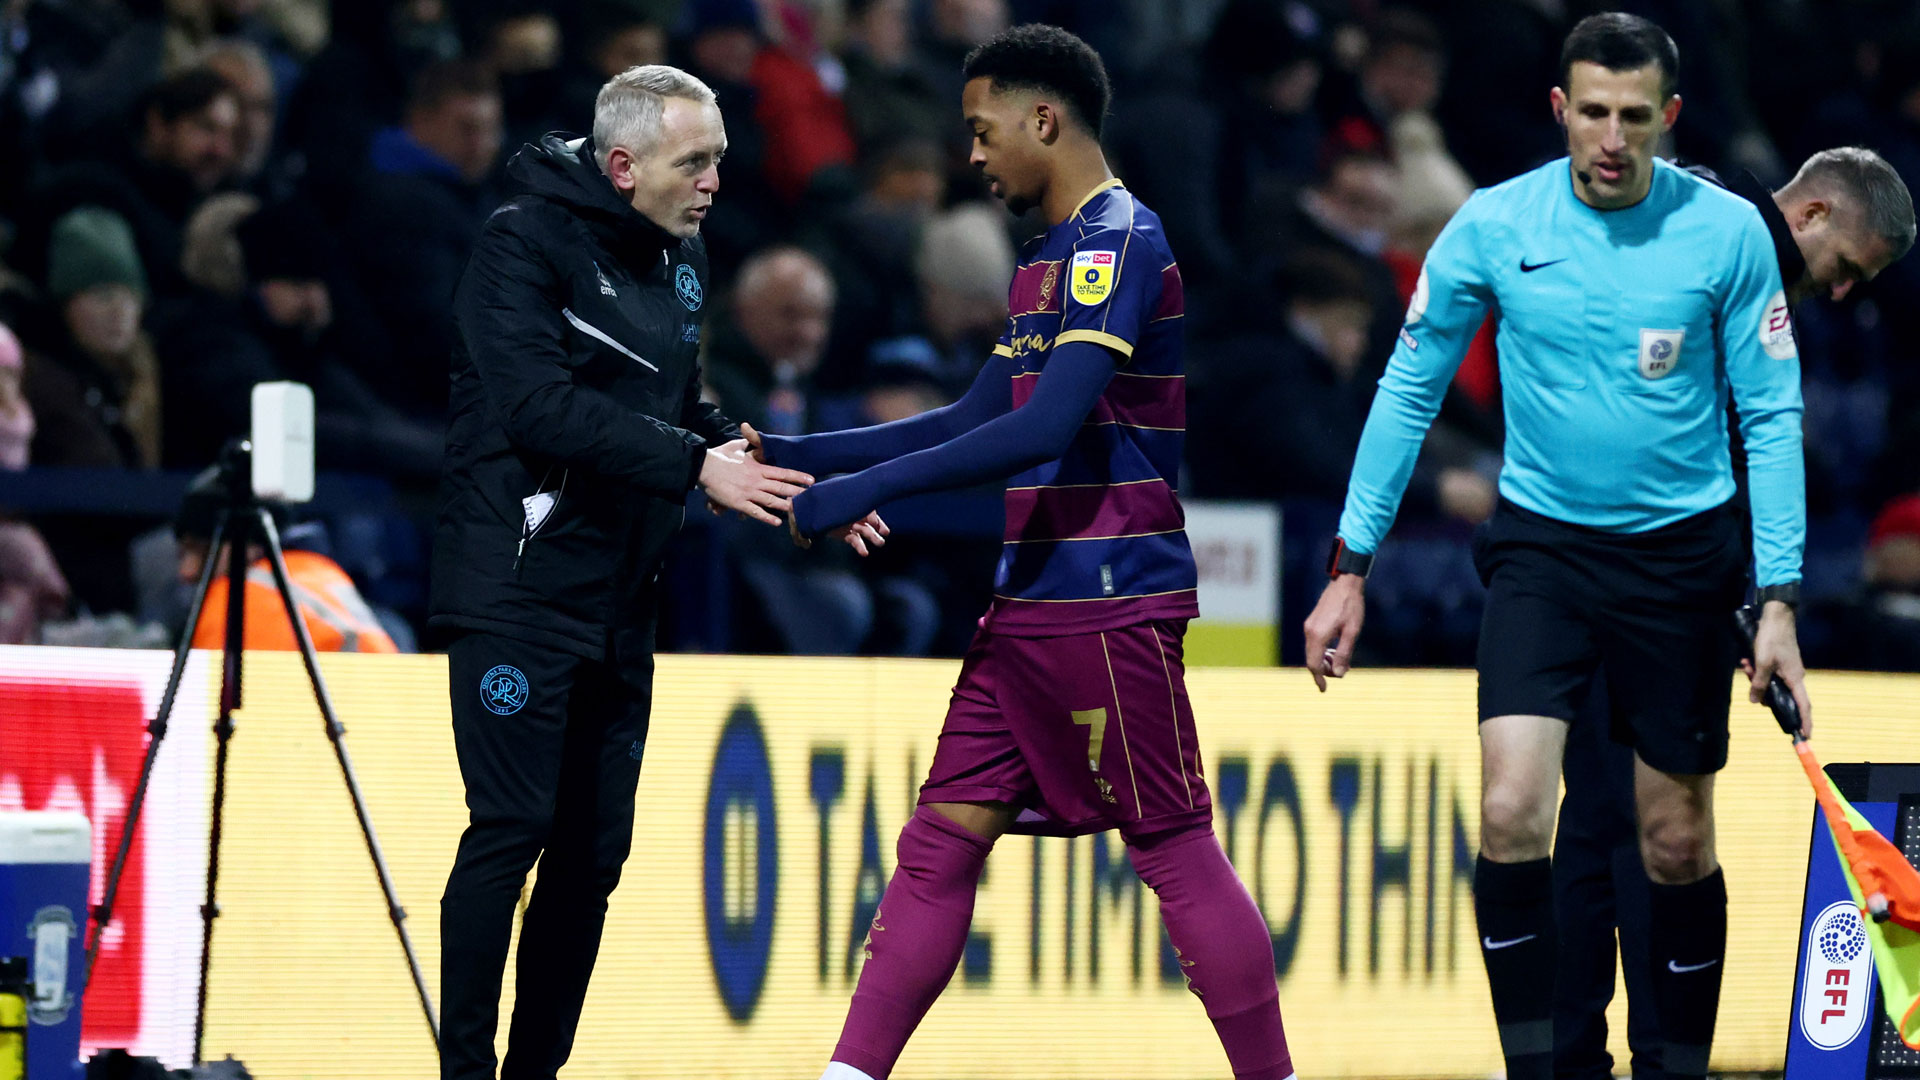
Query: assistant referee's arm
(1449,304)
(1763,371)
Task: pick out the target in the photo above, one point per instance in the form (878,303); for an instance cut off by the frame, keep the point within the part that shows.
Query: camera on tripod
(274,466)
(275,461)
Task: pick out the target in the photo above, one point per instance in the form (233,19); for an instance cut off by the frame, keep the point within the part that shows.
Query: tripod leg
(233,646)
(335,730)
(210,910)
(156,731)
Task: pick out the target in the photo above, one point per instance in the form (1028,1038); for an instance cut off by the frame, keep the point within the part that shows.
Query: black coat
(576,379)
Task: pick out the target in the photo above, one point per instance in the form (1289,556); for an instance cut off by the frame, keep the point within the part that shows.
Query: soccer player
(1071,714)
(1634,298)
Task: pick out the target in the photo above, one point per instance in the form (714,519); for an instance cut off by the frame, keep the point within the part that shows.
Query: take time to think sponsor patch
(1092,275)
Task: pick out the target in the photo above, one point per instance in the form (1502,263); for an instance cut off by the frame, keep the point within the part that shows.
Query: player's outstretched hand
(1333,628)
(865,536)
(734,481)
(1776,651)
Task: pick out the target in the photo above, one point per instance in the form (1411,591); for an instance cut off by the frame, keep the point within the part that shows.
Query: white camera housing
(283,441)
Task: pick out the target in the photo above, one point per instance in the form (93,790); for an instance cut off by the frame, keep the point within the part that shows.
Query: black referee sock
(1689,946)
(1514,904)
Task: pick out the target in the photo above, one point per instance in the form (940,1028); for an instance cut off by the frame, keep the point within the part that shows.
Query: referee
(1842,219)
(577,433)
(1634,299)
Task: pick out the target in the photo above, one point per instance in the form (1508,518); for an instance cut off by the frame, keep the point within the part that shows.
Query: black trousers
(549,746)
(1599,885)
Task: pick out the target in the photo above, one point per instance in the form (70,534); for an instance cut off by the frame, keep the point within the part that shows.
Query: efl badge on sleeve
(1092,275)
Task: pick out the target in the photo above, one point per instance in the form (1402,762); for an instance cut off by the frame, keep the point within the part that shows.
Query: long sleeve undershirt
(950,448)
(830,452)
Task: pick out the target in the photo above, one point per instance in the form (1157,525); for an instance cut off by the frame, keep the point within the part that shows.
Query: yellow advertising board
(769,802)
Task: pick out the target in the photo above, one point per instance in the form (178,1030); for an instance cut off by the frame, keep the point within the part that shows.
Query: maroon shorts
(1084,733)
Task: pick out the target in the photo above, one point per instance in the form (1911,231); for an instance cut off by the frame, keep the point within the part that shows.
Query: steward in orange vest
(338,619)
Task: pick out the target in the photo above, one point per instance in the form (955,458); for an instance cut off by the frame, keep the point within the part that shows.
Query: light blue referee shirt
(1621,334)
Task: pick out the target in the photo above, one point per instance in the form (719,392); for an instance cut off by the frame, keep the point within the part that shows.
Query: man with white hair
(577,432)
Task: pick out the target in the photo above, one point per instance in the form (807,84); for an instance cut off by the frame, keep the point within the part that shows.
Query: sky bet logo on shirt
(1092,276)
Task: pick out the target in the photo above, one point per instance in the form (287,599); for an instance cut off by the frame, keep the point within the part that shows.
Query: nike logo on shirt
(1528,268)
(1492,945)
(1674,966)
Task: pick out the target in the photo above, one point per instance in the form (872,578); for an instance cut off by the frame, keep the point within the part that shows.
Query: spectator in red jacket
(803,125)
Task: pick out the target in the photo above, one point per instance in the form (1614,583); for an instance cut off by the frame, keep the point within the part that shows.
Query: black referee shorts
(1651,613)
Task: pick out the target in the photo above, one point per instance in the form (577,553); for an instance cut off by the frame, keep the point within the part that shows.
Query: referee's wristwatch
(1344,560)
(1787,592)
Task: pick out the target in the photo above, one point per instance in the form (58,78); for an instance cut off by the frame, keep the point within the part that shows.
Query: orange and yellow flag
(1886,887)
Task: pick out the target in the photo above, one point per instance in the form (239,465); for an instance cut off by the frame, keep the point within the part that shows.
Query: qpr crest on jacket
(687,284)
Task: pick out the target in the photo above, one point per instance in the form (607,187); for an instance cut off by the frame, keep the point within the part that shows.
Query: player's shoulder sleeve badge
(1776,328)
(1092,275)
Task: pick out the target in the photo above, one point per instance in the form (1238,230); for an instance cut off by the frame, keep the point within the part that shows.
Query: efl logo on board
(1839,980)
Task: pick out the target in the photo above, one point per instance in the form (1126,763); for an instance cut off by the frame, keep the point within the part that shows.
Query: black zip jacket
(577,427)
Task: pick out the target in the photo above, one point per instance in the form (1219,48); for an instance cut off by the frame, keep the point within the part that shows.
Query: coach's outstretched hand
(1333,628)
(1776,651)
(734,481)
(752,439)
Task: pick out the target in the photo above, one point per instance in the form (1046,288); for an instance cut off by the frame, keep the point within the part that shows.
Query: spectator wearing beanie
(91,378)
(92,382)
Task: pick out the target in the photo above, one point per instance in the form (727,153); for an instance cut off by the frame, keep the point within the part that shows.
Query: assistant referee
(1845,217)
(1634,298)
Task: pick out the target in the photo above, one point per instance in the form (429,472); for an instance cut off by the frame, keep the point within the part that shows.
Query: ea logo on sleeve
(1776,329)
(503,690)
(687,284)
(1091,275)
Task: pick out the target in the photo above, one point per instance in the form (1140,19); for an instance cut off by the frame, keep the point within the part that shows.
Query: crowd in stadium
(198,195)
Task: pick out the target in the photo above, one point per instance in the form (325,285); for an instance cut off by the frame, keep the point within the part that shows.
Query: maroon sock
(918,935)
(1224,946)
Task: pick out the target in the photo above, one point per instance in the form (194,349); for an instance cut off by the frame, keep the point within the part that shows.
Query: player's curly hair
(1048,59)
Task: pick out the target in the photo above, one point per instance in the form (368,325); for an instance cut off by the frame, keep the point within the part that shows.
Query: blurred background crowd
(198,195)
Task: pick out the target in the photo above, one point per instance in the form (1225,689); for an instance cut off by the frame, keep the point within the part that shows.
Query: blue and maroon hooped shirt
(1096,538)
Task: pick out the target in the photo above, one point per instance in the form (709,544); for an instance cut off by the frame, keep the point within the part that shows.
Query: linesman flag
(1887,889)
(1885,886)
